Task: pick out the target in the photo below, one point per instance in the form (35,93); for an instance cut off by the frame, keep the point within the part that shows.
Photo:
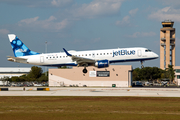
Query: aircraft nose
(156,55)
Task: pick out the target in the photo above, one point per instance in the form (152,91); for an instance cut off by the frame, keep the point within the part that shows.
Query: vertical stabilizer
(19,48)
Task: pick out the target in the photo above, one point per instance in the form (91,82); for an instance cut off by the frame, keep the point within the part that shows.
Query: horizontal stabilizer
(16,58)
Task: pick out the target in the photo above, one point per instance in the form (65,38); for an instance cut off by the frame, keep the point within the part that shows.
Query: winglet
(67,52)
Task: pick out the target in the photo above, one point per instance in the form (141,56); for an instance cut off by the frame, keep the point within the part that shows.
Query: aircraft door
(42,59)
(139,53)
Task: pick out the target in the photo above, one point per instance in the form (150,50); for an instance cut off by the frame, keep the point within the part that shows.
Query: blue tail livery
(19,48)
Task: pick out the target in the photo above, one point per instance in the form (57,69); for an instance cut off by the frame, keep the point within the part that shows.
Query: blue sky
(86,25)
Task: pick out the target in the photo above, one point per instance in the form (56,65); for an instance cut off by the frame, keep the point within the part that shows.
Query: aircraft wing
(80,60)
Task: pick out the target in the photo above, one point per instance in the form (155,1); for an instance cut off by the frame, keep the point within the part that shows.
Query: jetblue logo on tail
(124,52)
(21,50)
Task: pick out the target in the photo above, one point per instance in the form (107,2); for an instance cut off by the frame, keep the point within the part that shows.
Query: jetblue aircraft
(97,58)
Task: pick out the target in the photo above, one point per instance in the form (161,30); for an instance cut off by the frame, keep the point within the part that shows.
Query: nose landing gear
(142,66)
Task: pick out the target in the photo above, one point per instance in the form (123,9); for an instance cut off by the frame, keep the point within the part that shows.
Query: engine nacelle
(102,64)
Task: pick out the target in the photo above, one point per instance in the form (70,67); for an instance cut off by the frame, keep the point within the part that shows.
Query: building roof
(14,69)
(176,67)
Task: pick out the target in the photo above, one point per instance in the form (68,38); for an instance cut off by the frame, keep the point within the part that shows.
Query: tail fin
(19,48)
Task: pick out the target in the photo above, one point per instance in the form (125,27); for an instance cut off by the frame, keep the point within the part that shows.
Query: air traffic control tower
(167,44)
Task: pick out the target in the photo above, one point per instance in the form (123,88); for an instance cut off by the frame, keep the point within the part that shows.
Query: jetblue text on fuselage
(123,52)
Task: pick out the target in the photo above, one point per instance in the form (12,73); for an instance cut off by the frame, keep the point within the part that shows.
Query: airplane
(98,58)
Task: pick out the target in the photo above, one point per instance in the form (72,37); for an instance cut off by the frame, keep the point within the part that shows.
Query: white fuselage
(112,55)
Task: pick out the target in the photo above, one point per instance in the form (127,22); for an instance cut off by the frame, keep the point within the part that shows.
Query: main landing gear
(142,64)
(84,70)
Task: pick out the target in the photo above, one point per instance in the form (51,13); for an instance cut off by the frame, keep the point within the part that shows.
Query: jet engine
(102,64)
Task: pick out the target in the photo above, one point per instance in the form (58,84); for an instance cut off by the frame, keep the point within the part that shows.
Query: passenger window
(100,53)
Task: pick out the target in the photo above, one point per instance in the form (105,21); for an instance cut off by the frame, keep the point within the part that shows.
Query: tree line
(35,74)
(138,74)
(153,73)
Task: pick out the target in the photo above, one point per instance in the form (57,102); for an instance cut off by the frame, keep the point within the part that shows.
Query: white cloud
(141,34)
(167,13)
(58,3)
(97,8)
(125,21)
(173,3)
(39,3)
(4,31)
(133,12)
(67,16)
(28,21)
(49,24)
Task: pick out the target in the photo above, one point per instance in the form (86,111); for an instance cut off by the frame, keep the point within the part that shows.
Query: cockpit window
(147,50)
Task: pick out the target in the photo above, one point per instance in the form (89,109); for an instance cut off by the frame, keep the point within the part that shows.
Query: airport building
(15,71)
(177,75)
(167,44)
(112,76)
(167,48)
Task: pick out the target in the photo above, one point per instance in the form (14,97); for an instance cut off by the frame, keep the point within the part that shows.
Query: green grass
(89,108)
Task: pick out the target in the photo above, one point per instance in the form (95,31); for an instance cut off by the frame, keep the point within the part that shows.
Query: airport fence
(26,84)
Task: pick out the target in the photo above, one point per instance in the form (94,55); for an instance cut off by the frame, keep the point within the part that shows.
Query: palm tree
(170,72)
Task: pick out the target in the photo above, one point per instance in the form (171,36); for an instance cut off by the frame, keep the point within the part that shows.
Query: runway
(73,91)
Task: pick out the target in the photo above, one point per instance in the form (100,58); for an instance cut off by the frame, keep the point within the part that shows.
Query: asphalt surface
(86,91)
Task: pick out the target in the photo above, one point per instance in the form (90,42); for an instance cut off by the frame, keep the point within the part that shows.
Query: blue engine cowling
(102,64)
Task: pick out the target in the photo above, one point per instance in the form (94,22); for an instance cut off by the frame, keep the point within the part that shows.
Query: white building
(177,74)
(15,71)
(114,75)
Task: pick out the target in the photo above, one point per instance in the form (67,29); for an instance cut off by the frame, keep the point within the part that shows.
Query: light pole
(46,52)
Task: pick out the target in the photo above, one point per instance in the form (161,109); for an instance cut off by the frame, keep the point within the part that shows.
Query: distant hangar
(13,71)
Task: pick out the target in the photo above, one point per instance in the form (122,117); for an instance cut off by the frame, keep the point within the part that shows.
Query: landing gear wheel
(84,70)
(142,65)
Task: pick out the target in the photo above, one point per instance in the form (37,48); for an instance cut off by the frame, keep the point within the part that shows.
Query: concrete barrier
(4,89)
(42,89)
